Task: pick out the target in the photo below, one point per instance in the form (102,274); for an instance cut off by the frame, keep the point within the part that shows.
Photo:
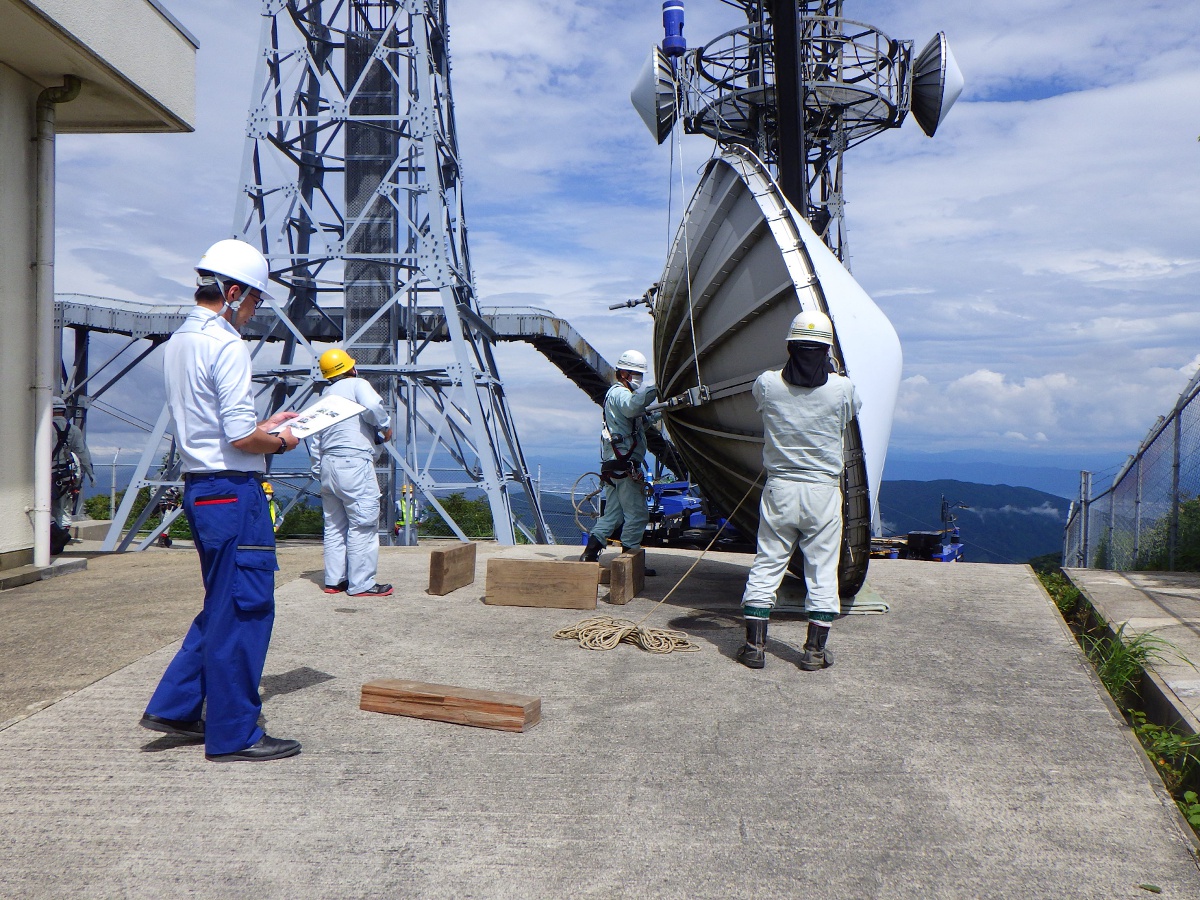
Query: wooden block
(546,583)
(605,574)
(628,576)
(451,569)
(444,703)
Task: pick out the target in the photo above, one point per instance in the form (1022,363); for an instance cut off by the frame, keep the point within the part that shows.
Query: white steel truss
(352,186)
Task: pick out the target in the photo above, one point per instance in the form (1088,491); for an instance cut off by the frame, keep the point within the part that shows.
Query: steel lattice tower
(352,186)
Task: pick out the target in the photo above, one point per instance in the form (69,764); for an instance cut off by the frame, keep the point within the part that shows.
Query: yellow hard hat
(267,489)
(335,362)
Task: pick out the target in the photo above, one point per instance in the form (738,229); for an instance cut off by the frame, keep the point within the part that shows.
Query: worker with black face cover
(806,408)
(622,452)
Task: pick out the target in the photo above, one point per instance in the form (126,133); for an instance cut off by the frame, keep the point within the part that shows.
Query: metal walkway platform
(549,334)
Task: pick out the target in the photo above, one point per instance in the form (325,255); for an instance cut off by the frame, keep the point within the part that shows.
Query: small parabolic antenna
(655,95)
(937,81)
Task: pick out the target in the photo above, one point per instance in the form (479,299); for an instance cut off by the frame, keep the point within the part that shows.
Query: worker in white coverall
(345,454)
(805,408)
(622,452)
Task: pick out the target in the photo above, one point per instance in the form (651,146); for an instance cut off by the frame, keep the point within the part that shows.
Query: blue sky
(1040,258)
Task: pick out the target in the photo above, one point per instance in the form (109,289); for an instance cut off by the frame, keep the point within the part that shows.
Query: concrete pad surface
(960,747)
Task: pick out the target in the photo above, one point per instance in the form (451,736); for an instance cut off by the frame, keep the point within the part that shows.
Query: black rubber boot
(754,654)
(591,553)
(648,572)
(815,655)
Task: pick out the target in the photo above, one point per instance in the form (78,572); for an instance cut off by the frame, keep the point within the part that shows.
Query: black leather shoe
(266,748)
(173,727)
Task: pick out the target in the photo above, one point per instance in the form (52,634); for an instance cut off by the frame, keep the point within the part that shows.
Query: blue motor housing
(673,43)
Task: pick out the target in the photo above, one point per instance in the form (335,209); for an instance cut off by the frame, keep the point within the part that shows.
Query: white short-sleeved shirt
(802,427)
(207,369)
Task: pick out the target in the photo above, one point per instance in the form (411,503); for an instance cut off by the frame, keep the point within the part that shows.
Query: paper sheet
(329,410)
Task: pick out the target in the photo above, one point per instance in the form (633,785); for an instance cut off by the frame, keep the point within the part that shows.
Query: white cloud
(1038,257)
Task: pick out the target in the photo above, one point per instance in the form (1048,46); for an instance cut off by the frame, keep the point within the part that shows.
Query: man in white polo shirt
(222,445)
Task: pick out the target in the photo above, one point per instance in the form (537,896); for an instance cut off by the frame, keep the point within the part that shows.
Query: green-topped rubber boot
(754,654)
(815,655)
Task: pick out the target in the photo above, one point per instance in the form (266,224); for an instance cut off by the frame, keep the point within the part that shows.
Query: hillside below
(998,523)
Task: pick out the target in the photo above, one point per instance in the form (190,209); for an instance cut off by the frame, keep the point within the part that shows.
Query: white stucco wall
(138,74)
(17,171)
(138,42)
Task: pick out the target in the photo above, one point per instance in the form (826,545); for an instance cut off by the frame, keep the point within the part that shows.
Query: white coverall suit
(350,492)
(802,498)
(625,498)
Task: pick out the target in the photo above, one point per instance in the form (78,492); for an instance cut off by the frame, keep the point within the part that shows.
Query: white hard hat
(238,261)
(811,326)
(631,361)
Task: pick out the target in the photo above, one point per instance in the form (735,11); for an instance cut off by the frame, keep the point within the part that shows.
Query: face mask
(635,382)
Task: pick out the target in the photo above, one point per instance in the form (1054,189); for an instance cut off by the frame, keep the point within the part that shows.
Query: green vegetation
(1175,755)
(97,507)
(302,520)
(474,517)
(1155,543)
(1120,662)
(1190,807)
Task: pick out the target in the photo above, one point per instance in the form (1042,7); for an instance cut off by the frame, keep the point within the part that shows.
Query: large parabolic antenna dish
(655,95)
(937,82)
(743,263)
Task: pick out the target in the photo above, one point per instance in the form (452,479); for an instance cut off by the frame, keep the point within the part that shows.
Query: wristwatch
(282,445)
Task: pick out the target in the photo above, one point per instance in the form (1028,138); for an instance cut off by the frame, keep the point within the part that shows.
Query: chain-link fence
(1149,518)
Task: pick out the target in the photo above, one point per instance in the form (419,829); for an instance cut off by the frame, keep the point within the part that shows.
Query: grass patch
(1121,662)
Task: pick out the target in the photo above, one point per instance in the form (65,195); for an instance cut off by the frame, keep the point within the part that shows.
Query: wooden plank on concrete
(445,703)
(554,584)
(628,576)
(451,568)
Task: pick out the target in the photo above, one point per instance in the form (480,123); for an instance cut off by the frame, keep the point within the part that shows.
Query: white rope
(605,632)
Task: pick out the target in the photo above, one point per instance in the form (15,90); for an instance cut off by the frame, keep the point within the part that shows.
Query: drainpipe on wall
(43,270)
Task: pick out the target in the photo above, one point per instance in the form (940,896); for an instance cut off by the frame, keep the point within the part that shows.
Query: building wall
(18,166)
(137,67)
(139,41)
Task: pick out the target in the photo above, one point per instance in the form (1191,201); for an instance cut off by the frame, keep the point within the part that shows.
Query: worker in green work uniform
(622,454)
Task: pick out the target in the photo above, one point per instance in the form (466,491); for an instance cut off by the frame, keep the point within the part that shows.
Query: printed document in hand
(327,411)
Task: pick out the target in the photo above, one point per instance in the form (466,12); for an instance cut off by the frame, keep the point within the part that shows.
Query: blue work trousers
(223,653)
(624,499)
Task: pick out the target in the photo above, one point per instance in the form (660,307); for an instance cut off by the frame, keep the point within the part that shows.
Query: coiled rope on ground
(606,632)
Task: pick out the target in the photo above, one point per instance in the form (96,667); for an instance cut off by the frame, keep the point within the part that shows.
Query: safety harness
(65,474)
(622,466)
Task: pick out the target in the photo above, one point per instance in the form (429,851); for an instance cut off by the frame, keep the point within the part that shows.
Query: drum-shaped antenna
(655,95)
(937,82)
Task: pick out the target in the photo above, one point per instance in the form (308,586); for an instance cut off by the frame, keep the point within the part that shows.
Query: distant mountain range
(1001,524)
